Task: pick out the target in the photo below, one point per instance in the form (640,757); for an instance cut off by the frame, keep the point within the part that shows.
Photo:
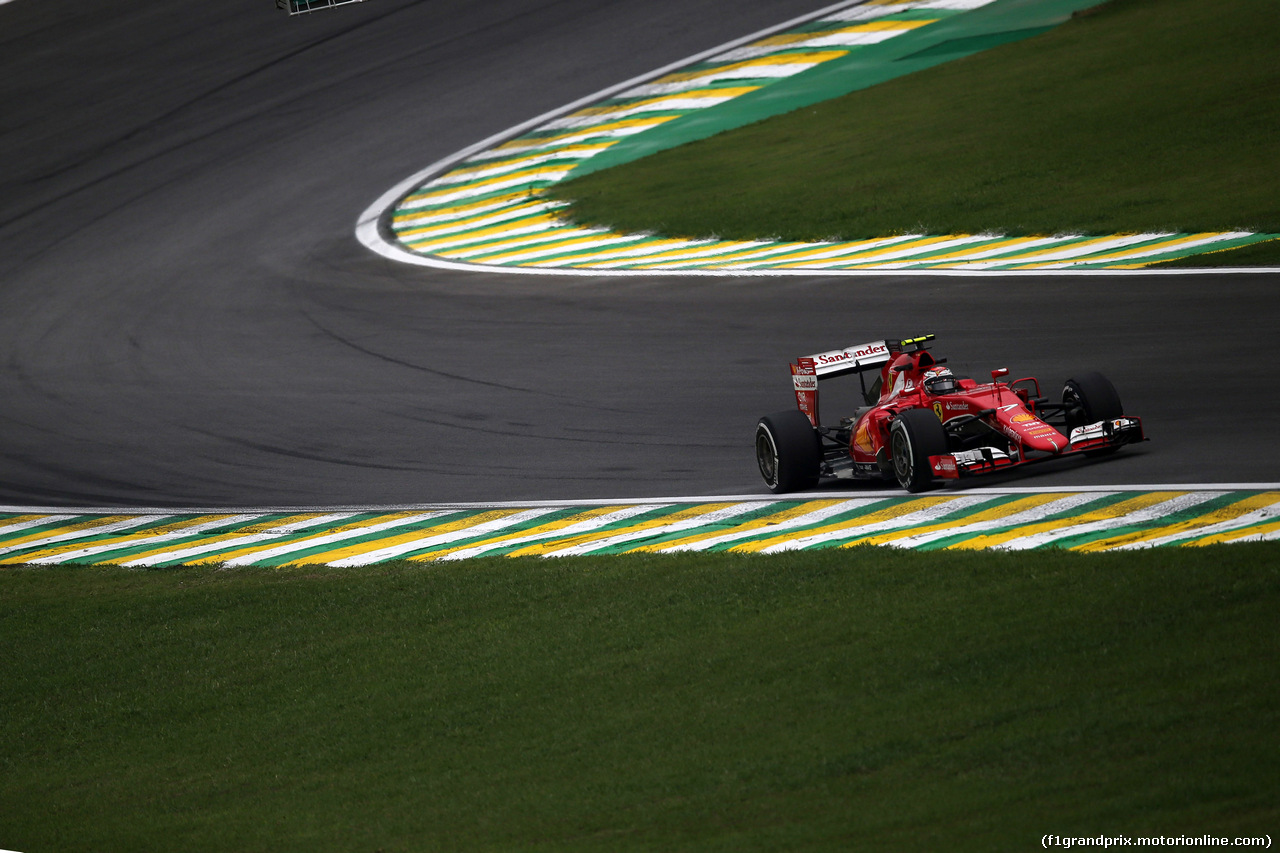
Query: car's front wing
(1103,435)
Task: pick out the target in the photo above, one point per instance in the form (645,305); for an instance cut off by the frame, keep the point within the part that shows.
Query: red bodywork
(989,425)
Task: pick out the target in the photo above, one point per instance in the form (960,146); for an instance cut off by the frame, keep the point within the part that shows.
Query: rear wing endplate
(808,369)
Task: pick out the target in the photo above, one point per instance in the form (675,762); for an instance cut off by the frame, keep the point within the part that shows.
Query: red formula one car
(921,423)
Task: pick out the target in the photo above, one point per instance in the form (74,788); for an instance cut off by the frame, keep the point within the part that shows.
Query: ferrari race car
(921,423)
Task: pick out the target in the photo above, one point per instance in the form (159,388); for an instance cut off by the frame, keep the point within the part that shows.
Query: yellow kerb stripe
(958,525)
(58,531)
(287,539)
(523,175)
(556,248)
(765,521)
(678,254)
(541,548)
(815,57)
(580,132)
(1101,514)
(22,519)
(478,235)
(455,225)
(641,251)
(886,514)
(1217,516)
(1232,535)
(1153,248)
(843,252)
(1032,255)
(727,92)
(1239,534)
(421,533)
(123,540)
(754,252)
(550,527)
(886,254)
(483,249)
(494,202)
(966,251)
(547,156)
(870,27)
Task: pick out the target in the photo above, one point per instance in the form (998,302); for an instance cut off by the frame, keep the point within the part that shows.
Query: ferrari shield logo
(937,410)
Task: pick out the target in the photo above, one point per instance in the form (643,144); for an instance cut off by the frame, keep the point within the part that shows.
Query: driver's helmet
(939,380)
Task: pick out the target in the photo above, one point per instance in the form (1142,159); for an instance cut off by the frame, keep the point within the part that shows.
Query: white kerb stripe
(564,243)
(1077,250)
(1257,516)
(144,540)
(1151,513)
(233,542)
(571,530)
(1160,248)
(312,542)
(854,530)
(664,105)
(394,551)
(84,533)
(713,517)
(34,522)
(815,517)
(1029,516)
(1267,536)
(497,212)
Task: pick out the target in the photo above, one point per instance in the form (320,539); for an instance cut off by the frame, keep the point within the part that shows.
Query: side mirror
(996,374)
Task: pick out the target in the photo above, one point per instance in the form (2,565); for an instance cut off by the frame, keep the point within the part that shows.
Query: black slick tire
(788,451)
(1090,397)
(914,436)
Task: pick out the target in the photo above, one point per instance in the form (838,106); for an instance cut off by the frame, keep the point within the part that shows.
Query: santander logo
(850,354)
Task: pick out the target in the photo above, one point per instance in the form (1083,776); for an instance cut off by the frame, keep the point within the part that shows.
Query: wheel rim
(903,466)
(767,457)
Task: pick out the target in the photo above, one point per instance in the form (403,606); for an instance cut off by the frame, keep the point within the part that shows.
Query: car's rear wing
(808,369)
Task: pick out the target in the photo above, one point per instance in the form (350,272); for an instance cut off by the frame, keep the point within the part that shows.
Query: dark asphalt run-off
(186,316)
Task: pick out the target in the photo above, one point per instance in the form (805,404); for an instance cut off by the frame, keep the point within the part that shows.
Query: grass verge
(862,699)
(1143,115)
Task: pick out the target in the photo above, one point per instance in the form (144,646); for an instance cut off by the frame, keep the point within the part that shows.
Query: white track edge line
(649,501)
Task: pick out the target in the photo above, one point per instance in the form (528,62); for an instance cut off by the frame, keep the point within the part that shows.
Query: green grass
(1140,115)
(865,699)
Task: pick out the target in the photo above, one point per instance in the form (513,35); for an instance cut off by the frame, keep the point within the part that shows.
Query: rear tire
(788,451)
(1090,397)
(914,436)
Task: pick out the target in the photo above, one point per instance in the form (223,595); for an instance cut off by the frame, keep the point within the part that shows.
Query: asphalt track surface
(186,317)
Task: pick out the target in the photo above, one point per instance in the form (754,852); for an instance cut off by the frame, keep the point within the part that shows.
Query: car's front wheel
(788,451)
(1090,397)
(914,436)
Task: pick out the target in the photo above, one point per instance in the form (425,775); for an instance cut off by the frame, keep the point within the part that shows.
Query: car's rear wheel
(1090,397)
(914,436)
(788,451)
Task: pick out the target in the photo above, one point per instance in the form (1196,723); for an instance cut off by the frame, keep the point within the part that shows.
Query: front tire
(1090,397)
(788,451)
(914,436)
